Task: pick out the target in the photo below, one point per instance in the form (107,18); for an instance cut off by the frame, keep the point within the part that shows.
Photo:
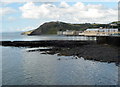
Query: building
(100,32)
(67,32)
(59,32)
(78,32)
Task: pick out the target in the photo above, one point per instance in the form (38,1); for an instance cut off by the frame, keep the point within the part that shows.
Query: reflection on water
(19,37)
(58,66)
(24,67)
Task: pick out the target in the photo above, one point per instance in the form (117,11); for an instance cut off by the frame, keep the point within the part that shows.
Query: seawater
(20,67)
(17,36)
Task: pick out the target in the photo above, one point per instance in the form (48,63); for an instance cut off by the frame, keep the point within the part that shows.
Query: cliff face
(53,27)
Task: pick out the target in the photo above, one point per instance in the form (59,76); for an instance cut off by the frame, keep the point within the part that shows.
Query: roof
(96,29)
(92,29)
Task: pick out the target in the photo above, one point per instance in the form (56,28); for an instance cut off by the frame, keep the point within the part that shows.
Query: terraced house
(100,32)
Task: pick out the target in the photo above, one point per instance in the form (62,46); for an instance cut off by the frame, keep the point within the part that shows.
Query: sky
(18,16)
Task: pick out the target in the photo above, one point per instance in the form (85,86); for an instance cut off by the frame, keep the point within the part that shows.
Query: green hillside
(53,27)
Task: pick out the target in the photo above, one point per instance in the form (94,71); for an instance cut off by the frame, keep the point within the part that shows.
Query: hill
(53,27)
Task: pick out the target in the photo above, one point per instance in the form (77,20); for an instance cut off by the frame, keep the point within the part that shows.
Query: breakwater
(46,43)
(111,40)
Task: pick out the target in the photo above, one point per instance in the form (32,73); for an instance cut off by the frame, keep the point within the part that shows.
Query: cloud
(64,4)
(6,10)
(27,28)
(12,1)
(31,11)
(11,18)
(22,1)
(76,13)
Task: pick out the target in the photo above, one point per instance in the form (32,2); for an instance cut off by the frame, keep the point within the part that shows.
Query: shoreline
(89,50)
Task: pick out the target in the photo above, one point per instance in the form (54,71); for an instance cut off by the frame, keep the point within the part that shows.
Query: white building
(100,32)
(59,32)
(67,32)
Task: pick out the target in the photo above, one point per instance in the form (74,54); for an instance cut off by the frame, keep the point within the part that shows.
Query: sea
(21,67)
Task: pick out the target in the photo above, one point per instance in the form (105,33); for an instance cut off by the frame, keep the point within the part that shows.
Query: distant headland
(53,27)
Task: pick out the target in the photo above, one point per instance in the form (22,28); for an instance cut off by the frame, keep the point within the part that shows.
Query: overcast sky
(24,16)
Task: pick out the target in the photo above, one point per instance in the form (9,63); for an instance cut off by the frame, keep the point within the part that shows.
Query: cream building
(67,32)
(100,32)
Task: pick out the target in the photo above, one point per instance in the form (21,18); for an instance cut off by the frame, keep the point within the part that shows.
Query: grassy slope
(53,27)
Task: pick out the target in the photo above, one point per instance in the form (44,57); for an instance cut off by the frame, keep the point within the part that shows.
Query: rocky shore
(89,50)
(102,53)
